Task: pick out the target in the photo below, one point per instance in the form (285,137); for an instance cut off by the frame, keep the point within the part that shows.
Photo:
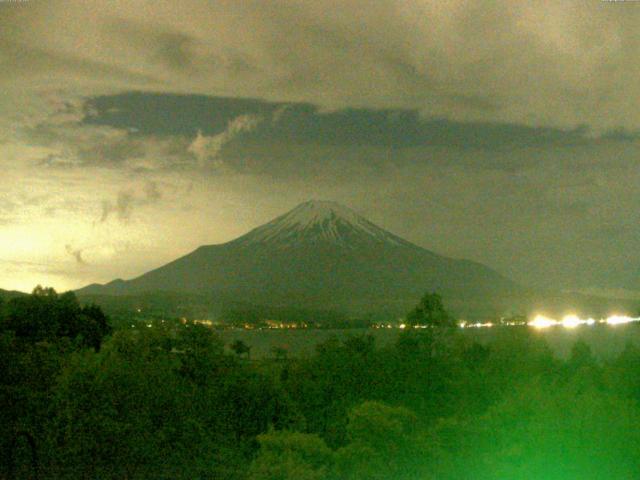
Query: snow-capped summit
(320,220)
(318,211)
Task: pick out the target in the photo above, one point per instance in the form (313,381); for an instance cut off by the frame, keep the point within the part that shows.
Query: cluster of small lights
(572,321)
(568,321)
(476,325)
(401,326)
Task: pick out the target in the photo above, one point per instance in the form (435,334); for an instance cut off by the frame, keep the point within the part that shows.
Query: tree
(546,430)
(383,444)
(286,455)
(126,412)
(280,353)
(93,325)
(201,352)
(46,316)
(328,385)
(430,311)
(240,348)
(623,373)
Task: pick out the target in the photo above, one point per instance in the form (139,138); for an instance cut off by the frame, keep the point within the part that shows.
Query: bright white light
(620,319)
(542,322)
(572,321)
(402,326)
(568,321)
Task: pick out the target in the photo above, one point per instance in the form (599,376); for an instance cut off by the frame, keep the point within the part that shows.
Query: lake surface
(605,340)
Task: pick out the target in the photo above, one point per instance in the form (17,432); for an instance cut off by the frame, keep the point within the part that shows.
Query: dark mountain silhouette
(9,294)
(322,255)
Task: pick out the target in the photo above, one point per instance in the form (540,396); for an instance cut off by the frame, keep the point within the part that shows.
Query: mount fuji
(322,255)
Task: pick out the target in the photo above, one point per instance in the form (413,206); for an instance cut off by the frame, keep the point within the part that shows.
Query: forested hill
(9,294)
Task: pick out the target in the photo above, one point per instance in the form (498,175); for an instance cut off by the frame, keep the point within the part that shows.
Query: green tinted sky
(505,132)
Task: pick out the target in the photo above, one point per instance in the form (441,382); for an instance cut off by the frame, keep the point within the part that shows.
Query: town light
(540,321)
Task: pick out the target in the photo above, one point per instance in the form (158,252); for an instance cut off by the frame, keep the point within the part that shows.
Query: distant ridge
(321,254)
(8,294)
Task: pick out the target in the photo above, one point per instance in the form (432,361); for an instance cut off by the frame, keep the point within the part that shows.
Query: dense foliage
(168,401)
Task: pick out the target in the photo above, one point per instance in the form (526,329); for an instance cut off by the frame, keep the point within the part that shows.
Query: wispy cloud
(76,253)
(121,207)
(207,148)
(127,200)
(152,192)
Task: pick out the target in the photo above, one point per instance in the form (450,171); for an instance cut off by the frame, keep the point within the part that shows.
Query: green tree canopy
(286,455)
(550,431)
(46,315)
(240,348)
(430,311)
(383,444)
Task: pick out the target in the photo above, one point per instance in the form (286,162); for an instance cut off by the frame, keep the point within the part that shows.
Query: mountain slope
(9,294)
(320,254)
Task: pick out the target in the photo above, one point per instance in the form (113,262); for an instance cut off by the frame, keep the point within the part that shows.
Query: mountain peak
(319,211)
(318,255)
(320,220)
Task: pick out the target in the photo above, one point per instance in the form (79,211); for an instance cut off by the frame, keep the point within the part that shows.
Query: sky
(499,131)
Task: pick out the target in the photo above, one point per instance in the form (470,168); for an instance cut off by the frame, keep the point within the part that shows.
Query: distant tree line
(80,400)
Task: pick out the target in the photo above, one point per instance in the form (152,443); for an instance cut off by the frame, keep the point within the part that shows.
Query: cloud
(121,208)
(152,192)
(170,48)
(127,200)
(536,63)
(219,120)
(207,149)
(76,253)
(71,142)
(279,113)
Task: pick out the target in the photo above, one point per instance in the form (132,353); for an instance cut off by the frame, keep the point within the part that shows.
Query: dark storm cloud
(143,131)
(163,114)
(621,134)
